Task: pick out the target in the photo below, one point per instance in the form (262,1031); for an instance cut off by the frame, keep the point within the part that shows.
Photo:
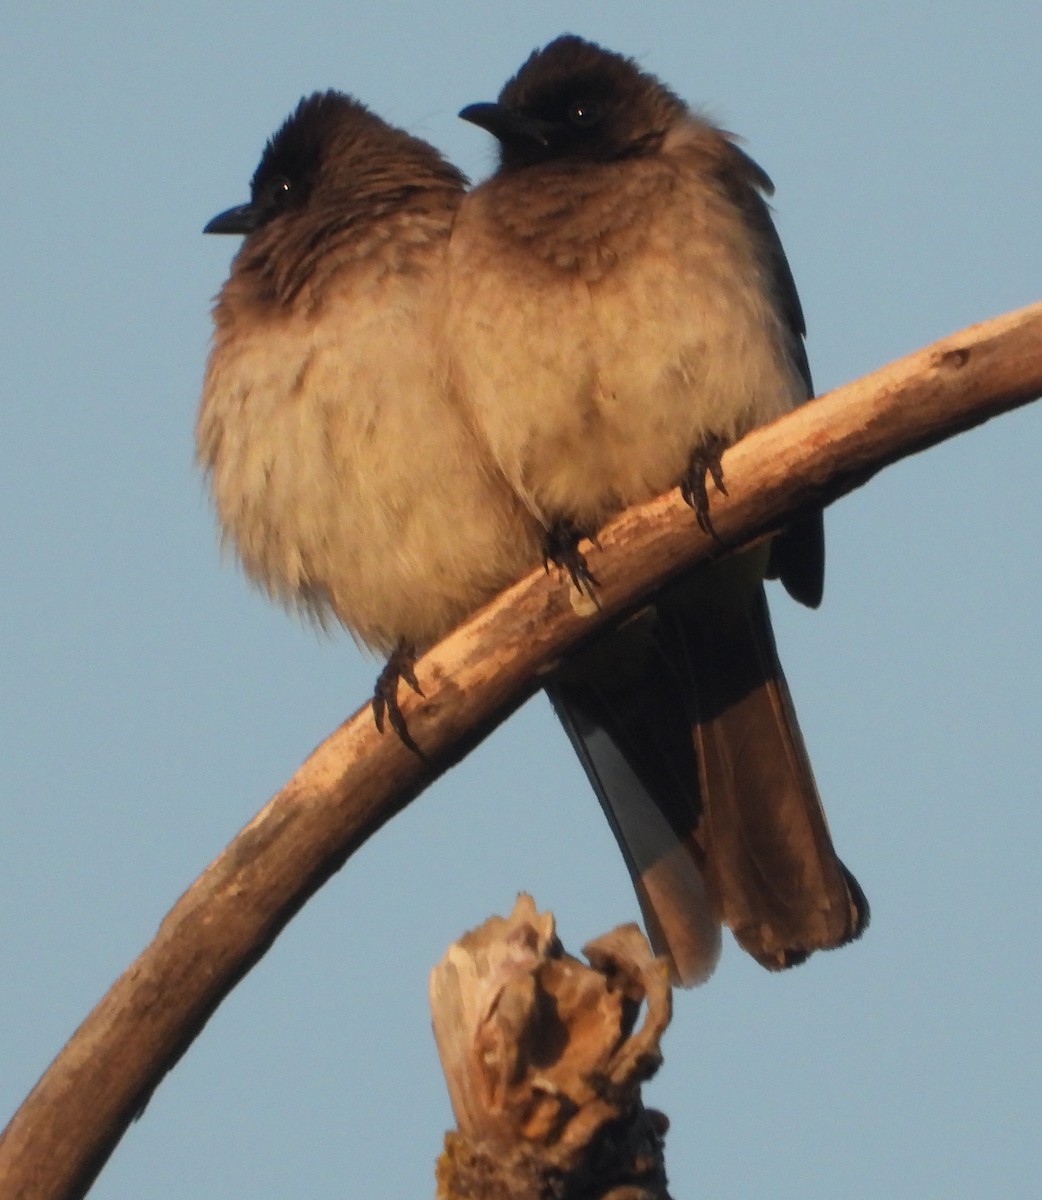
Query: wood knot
(956,358)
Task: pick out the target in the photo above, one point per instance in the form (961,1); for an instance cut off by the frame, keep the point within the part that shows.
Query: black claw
(705,461)
(561,549)
(401,665)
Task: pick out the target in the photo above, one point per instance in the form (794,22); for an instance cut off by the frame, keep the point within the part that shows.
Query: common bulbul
(342,467)
(621,310)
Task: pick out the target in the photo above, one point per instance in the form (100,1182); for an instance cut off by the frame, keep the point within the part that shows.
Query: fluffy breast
(342,470)
(594,374)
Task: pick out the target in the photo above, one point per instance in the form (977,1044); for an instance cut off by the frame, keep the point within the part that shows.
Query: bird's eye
(278,192)
(585,112)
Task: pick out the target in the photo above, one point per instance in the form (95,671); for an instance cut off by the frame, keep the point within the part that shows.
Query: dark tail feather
(623,708)
(772,872)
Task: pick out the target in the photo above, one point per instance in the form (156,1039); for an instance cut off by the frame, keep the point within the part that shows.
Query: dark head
(332,148)
(573,100)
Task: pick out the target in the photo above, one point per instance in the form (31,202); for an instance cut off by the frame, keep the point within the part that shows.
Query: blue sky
(151,701)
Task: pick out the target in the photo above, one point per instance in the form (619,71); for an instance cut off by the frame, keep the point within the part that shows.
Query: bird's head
(573,100)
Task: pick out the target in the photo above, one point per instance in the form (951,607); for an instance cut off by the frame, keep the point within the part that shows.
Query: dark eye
(274,195)
(277,193)
(585,112)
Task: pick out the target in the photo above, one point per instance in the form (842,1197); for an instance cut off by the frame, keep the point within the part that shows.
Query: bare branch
(356,780)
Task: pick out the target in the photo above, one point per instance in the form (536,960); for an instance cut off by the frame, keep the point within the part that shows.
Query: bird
(620,310)
(342,468)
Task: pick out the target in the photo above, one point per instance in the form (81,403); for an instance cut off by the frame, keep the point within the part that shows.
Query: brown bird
(341,465)
(620,311)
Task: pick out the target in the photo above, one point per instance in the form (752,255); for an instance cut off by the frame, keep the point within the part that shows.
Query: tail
(684,724)
(622,704)
(772,871)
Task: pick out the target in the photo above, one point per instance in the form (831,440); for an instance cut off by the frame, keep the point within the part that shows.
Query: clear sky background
(151,701)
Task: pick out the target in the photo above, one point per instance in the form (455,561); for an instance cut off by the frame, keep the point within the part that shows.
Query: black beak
(242,219)
(506,124)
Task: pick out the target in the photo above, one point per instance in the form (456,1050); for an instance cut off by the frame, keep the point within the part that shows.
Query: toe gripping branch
(561,549)
(400,666)
(704,464)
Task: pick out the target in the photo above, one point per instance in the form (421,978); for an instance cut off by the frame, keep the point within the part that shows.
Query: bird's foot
(704,463)
(561,549)
(400,666)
